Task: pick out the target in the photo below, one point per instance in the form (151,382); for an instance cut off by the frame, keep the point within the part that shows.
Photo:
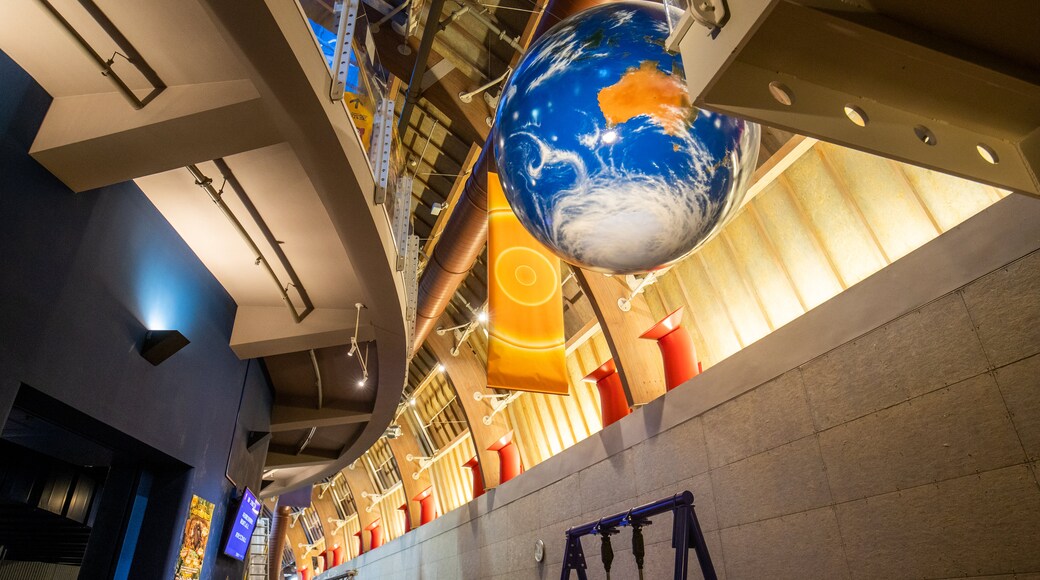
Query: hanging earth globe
(600,152)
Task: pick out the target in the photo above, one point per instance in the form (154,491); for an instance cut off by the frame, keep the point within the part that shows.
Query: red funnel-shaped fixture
(509,465)
(407,517)
(677,350)
(478,479)
(305,573)
(338,555)
(376,532)
(426,505)
(360,543)
(613,405)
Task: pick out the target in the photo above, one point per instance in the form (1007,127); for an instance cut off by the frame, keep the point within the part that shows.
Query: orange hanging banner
(526,345)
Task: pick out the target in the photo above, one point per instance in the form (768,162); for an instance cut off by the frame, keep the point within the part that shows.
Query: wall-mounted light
(159,345)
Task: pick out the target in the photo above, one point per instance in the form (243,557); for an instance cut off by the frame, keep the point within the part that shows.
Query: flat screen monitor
(241,529)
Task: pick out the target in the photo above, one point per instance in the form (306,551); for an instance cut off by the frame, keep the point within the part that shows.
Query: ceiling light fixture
(857,115)
(782,93)
(355,346)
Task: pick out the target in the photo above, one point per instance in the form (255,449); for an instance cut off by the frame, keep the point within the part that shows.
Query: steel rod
(207,184)
(625,518)
(261,224)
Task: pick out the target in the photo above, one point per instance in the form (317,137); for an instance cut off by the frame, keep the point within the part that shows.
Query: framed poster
(196,537)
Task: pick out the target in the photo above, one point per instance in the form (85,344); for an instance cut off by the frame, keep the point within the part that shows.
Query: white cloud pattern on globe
(602,156)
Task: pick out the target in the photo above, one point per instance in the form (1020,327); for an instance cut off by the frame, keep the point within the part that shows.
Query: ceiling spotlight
(857,115)
(482,317)
(412,402)
(361,382)
(987,153)
(437,208)
(781,93)
(440,368)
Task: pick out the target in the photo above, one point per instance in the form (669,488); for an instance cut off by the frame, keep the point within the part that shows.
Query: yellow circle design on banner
(525,276)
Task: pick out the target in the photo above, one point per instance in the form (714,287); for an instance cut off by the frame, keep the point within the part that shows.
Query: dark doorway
(82,498)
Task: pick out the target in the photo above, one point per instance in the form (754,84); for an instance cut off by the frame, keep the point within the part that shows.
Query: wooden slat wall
(451,483)
(439,410)
(544,425)
(353,526)
(393,518)
(830,220)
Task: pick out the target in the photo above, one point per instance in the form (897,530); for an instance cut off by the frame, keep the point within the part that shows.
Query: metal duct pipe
(461,242)
(415,83)
(465,234)
(279,531)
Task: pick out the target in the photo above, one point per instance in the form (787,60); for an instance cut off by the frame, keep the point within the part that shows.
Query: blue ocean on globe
(601,154)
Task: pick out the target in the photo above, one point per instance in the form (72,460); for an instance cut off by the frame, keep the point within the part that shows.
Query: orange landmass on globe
(647,90)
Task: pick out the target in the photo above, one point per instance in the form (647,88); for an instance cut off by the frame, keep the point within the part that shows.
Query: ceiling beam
(286,456)
(289,418)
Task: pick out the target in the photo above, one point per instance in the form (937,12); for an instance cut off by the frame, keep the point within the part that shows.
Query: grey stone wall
(910,451)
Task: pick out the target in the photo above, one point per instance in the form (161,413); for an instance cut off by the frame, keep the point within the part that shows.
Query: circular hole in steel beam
(857,115)
(782,93)
(987,153)
(925,135)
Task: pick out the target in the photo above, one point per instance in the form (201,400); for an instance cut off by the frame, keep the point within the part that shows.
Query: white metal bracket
(324,488)
(402,212)
(498,403)
(424,464)
(373,498)
(383,127)
(712,14)
(625,304)
(346,16)
(340,524)
(411,280)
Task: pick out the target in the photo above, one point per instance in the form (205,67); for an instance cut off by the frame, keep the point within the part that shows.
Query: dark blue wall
(82,277)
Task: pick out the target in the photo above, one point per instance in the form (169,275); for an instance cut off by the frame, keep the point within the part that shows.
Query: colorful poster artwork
(361,111)
(196,537)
